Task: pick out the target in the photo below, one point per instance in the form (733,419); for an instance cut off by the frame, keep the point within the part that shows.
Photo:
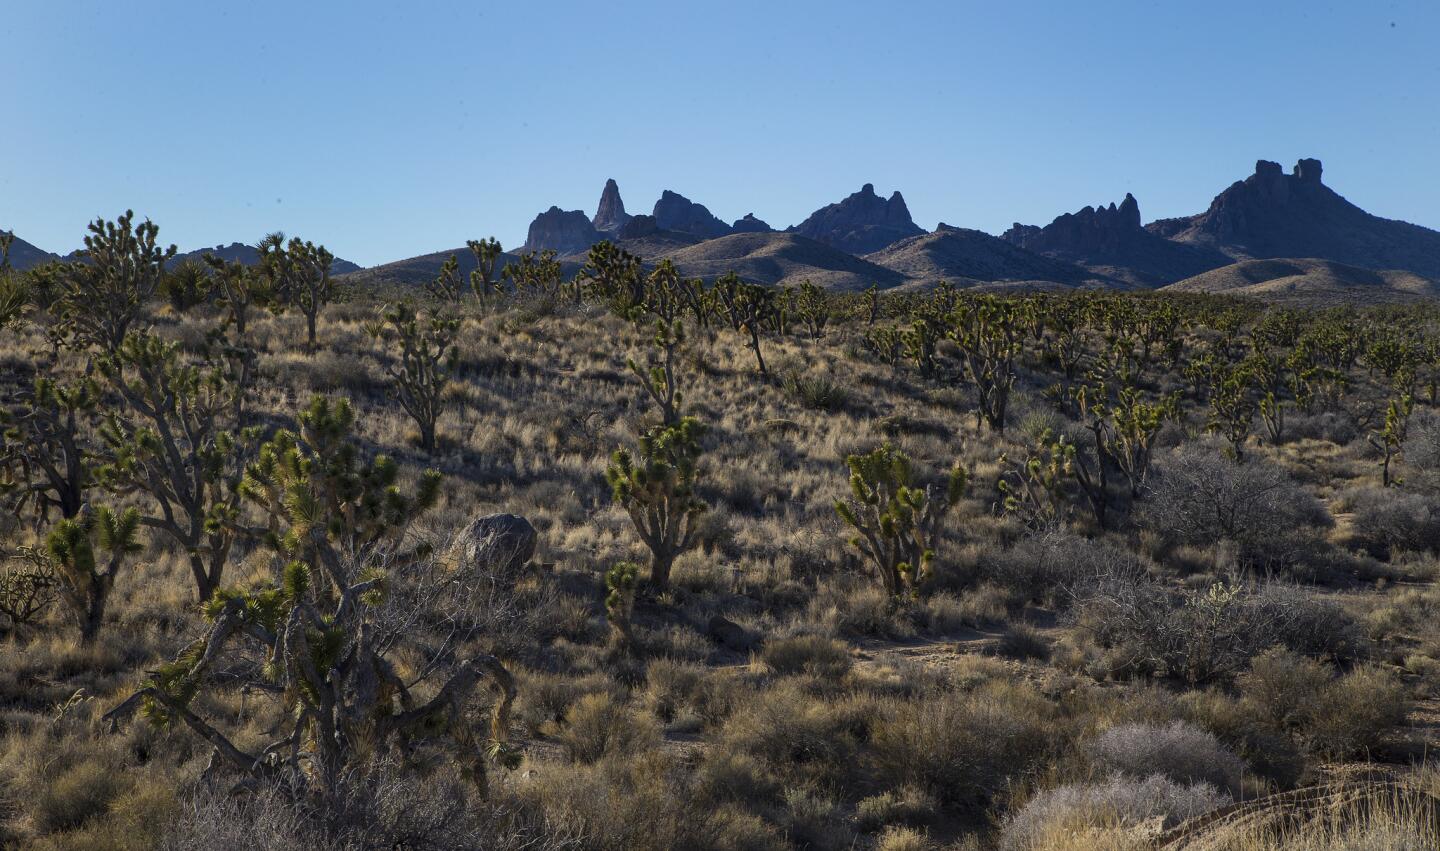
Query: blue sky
(387,130)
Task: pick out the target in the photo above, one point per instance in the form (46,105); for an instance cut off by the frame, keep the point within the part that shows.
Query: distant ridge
(860,223)
(781,259)
(964,257)
(1310,281)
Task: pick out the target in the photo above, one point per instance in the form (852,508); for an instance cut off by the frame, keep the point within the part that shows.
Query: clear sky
(387,130)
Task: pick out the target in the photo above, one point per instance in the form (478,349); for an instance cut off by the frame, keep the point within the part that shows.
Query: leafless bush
(1179,751)
(1390,519)
(1053,559)
(1197,496)
(1119,801)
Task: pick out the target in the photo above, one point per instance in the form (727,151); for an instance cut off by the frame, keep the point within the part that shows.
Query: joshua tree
(84,579)
(897,522)
(45,451)
(331,646)
(446,286)
(813,307)
(615,277)
(988,331)
(180,439)
(658,377)
(620,582)
(425,355)
(539,272)
(482,279)
(748,307)
(238,288)
(101,297)
(299,274)
(658,492)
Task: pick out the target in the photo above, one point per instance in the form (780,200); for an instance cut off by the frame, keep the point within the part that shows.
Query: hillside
(24,256)
(964,257)
(248,255)
(1272,214)
(1310,281)
(781,259)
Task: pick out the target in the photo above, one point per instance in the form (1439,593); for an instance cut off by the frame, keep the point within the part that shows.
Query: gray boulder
(496,546)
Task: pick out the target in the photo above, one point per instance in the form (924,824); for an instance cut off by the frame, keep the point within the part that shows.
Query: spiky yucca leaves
(988,330)
(446,286)
(84,578)
(483,281)
(615,277)
(536,272)
(101,297)
(46,453)
(299,275)
(180,438)
(620,582)
(328,645)
(658,376)
(325,504)
(186,286)
(658,491)
(1125,425)
(1035,489)
(897,522)
(423,357)
(749,308)
(14,294)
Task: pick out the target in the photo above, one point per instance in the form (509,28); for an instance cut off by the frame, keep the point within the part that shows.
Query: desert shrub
(1389,519)
(815,655)
(1044,565)
(1342,716)
(966,748)
(1180,751)
(599,725)
(903,839)
(814,820)
(1203,635)
(725,775)
(1120,801)
(860,610)
(1023,642)
(670,685)
(80,792)
(1335,426)
(816,392)
(904,806)
(1197,496)
(805,741)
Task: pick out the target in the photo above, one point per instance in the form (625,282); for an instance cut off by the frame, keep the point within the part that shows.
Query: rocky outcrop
(1110,240)
(610,215)
(1271,214)
(750,224)
(565,231)
(676,212)
(637,227)
(862,223)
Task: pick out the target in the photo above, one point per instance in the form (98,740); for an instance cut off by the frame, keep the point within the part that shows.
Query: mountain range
(1311,238)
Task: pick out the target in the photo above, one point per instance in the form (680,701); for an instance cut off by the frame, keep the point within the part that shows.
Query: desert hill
(965,257)
(1310,281)
(781,259)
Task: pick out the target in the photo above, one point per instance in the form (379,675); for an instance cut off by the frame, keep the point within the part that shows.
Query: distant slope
(417,271)
(966,257)
(248,255)
(24,256)
(1310,281)
(781,259)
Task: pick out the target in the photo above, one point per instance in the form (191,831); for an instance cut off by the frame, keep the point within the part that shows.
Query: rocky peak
(751,224)
(565,231)
(1308,170)
(863,222)
(637,227)
(1087,232)
(610,215)
(676,212)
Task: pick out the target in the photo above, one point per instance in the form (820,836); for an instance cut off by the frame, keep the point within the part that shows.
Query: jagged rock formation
(862,223)
(781,259)
(610,215)
(1273,214)
(566,231)
(637,227)
(1110,241)
(678,213)
(750,224)
(966,257)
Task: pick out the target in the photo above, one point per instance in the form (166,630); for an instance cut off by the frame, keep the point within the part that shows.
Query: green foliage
(1036,489)
(181,439)
(298,274)
(238,288)
(620,582)
(100,297)
(537,273)
(46,454)
(748,308)
(186,286)
(424,357)
(84,579)
(483,281)
(614,277)
(812,305)
(446,286)
(658,491)
(988,332)
(897,522)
